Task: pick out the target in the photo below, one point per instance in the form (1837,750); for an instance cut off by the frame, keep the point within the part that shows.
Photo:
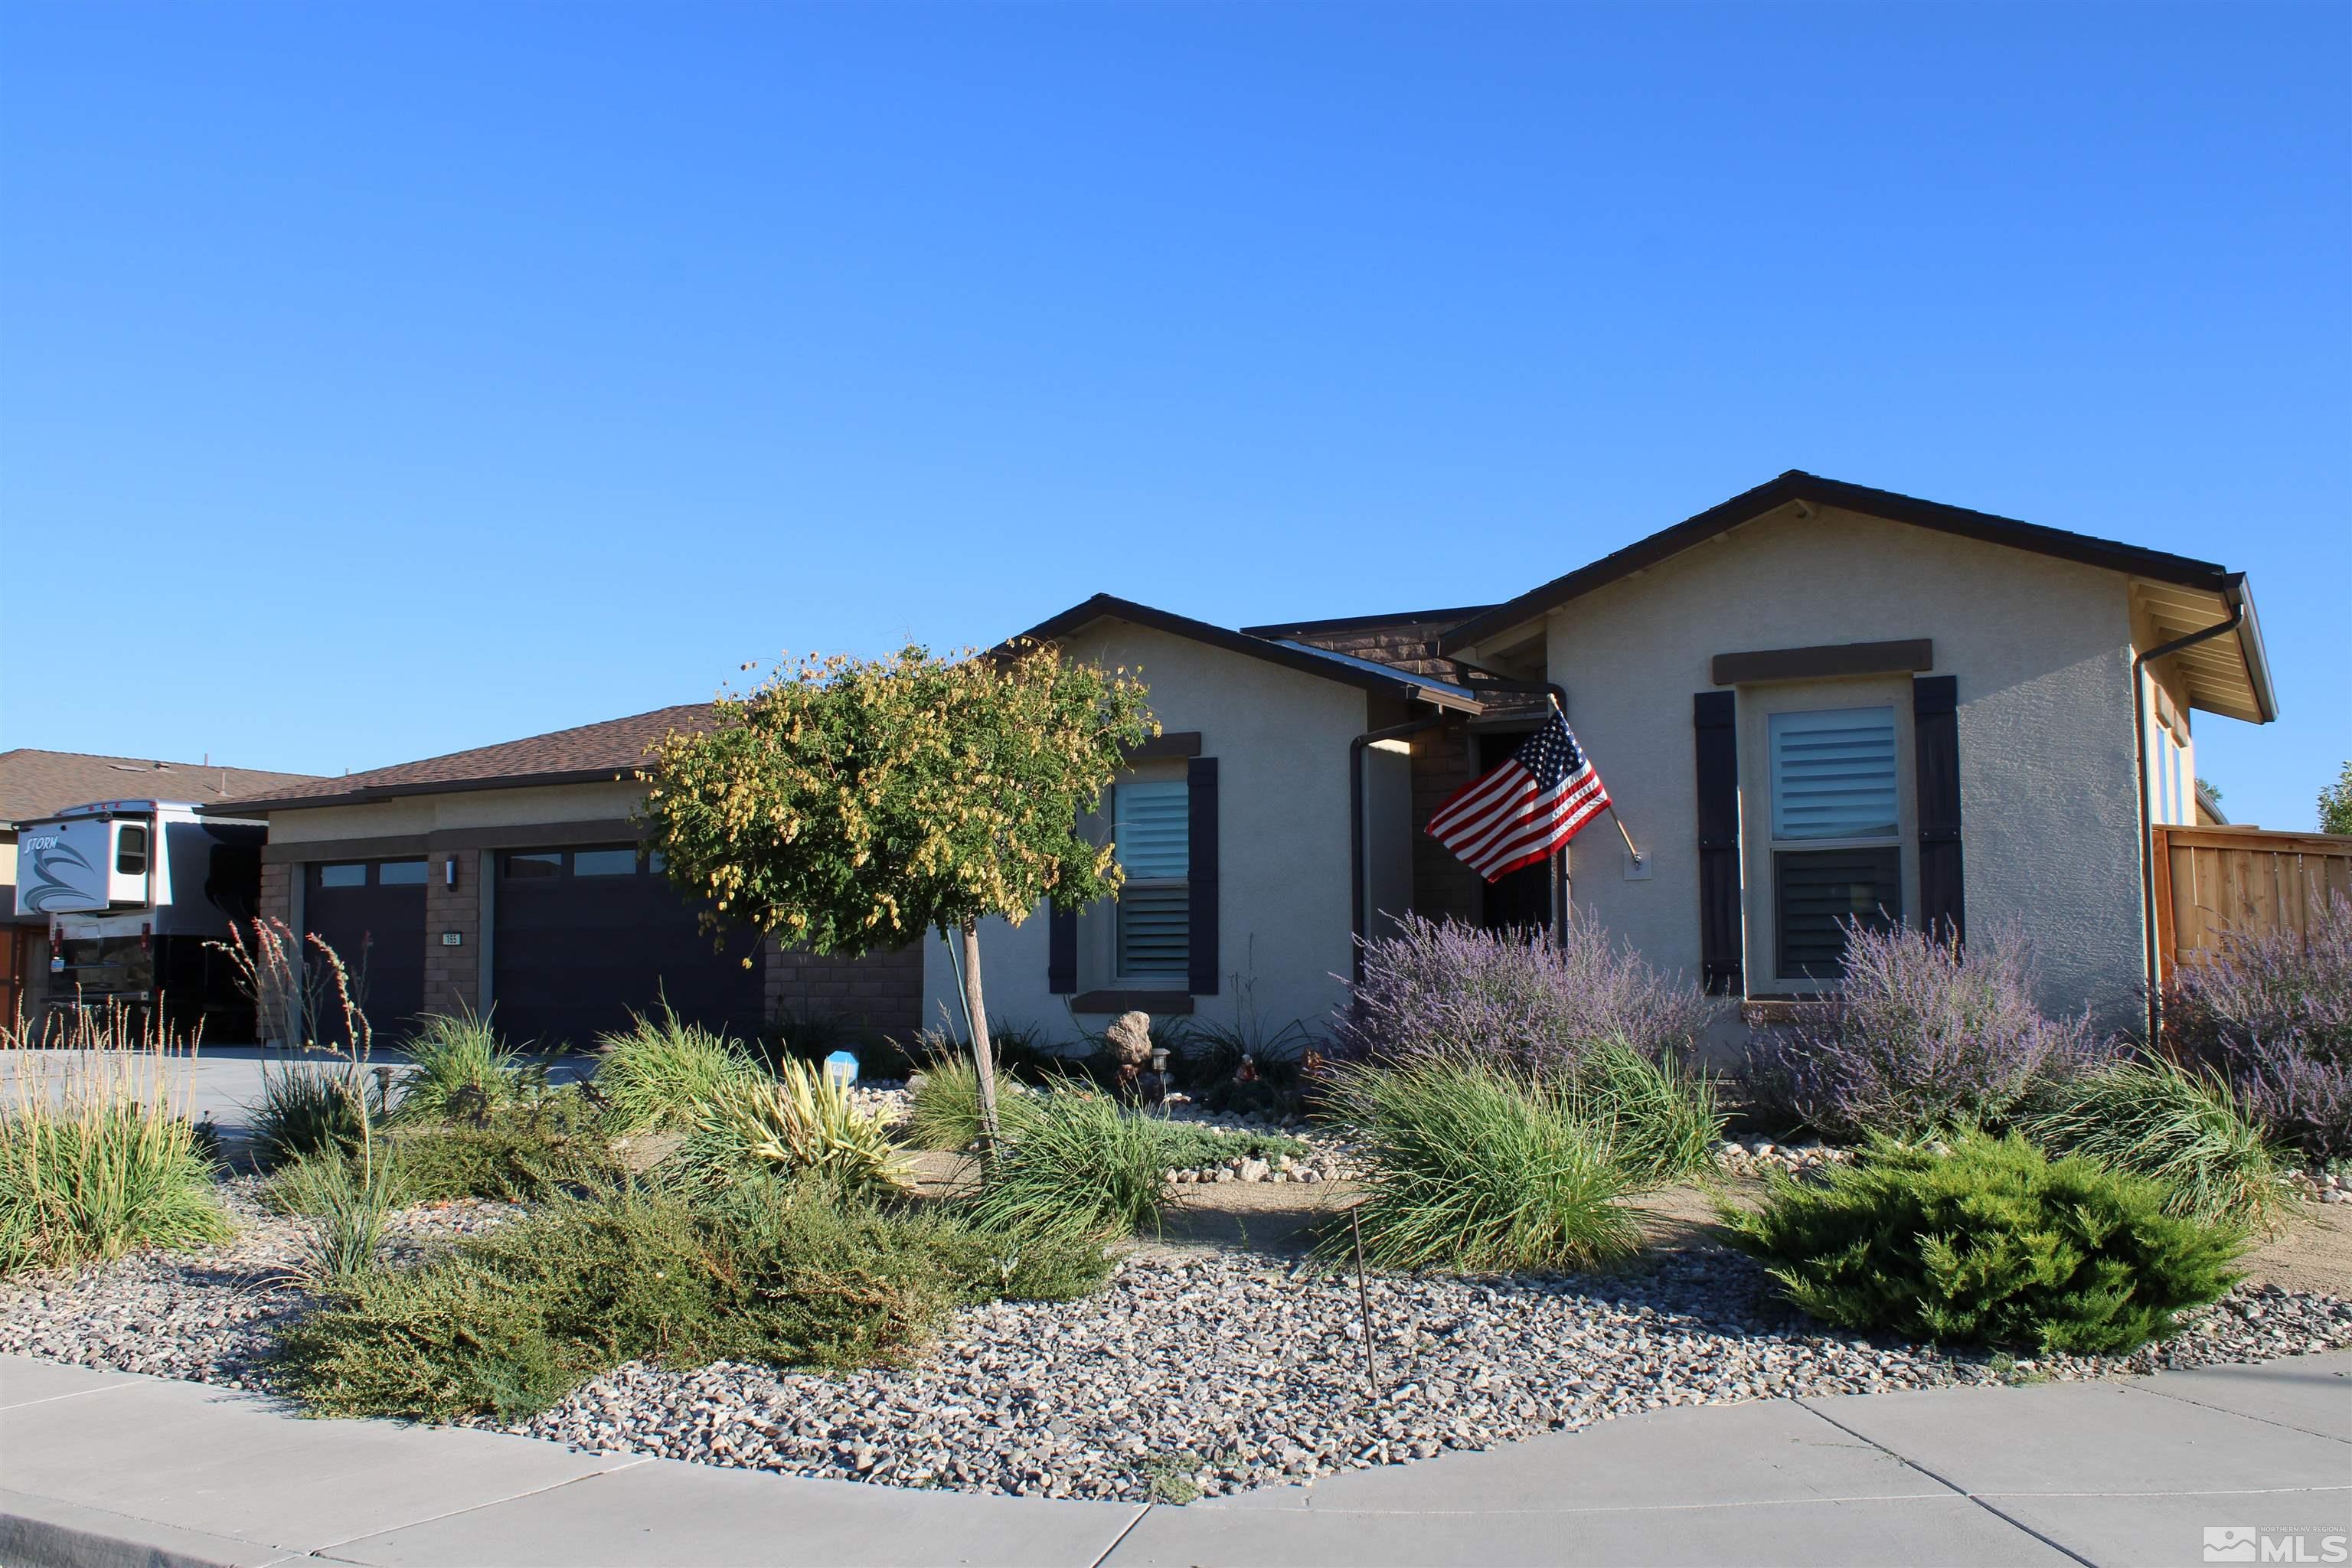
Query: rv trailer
(134,891)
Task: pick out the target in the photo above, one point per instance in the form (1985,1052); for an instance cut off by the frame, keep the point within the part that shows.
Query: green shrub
(1992,1244)
(518,1316)
(1189,1146)
(1075,1163)
(539,1148)
(1660,1119)
(310,1108)
(658,1074)
(2183,1130)
(457,1070)
(1473,1168)
(798,1124)
(93,1179)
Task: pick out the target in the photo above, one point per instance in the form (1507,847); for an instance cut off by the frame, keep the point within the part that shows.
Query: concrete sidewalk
(106,1468)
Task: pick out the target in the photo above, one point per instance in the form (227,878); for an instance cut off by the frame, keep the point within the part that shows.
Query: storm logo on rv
(54,862)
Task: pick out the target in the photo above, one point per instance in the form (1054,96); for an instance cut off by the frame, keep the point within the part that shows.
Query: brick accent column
(1443,761)
(882,991)
(453,975)
(277,891)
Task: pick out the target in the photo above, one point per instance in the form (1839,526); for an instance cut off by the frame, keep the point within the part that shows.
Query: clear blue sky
(379,381)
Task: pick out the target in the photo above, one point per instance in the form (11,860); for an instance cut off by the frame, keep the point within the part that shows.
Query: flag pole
(1620,821)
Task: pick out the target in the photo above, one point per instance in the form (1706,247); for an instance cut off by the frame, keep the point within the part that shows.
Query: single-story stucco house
(1813,702)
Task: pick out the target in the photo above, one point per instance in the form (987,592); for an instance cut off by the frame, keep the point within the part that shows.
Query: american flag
(1527,808)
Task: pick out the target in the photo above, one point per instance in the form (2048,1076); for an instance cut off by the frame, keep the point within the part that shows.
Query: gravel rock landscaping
(1190,1374)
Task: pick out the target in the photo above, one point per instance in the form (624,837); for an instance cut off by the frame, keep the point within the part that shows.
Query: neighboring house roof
(1305,657)
(2248,695)
(35,785)
(587,754)
(2209,807)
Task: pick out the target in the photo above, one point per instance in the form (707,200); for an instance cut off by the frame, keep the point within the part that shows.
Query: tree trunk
(983,1056)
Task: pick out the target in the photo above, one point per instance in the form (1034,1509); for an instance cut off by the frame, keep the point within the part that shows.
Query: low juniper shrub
(1443,989)
(1921,1034)
(1991,1243)
(2273,1011)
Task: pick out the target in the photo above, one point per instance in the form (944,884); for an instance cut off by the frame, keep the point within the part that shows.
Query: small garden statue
(1127,1042)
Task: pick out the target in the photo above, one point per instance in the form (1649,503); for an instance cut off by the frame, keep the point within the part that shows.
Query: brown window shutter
(1061,951)
(1714,718)
(1936,735)
(1200,778)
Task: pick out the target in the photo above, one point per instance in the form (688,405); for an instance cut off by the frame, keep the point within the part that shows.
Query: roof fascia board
(368,793)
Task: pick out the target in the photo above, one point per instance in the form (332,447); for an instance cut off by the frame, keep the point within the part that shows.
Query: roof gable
(2201,577)
(1303,658)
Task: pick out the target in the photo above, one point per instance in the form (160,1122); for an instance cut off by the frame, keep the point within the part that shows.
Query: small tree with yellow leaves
(849,805)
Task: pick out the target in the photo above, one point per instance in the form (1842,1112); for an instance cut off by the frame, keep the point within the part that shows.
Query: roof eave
(368,793)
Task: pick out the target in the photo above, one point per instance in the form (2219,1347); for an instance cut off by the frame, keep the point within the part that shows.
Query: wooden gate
(2210,881)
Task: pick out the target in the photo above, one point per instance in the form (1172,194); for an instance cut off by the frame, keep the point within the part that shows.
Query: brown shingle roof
(580,755)
(34,784)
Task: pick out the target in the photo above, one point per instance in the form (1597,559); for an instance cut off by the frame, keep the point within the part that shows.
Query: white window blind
(1833,774)
(1152,830)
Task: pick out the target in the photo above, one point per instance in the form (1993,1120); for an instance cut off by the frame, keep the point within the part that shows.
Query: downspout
(1356,829)
(2146,828)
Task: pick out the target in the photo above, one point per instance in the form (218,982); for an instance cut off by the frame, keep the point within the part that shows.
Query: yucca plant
(798,1124)
(1476,1168)
(1660,1117)
(660,1073)
(311,1107)
(98,1156)
(458,1070)
(1075,1162)
(2181,1128)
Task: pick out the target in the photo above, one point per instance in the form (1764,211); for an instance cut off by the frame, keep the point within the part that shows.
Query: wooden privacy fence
(2212,882)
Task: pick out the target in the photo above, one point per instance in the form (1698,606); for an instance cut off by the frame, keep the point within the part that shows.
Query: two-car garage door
(582,936)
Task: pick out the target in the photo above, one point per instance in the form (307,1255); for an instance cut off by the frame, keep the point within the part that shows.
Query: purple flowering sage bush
(1921,1035)
(1515,999)
(2273,1011)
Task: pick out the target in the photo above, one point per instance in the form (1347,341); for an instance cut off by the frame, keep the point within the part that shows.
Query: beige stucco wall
(1281,740)
(2041,650)
(476,808)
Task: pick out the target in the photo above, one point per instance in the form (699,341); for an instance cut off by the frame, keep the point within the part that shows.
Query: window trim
(1762,970)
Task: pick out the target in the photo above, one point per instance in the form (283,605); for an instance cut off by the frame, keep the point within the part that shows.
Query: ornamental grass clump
(458,1070)
(944,1108)
(1074,1162)
(800,1124)
(98,1156)
(1476,1169)
(2181,1128)
(2273,1010)
(1992,1244)
(1660,1117)
(658,1074)
(1516,998)
(1921,1035)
